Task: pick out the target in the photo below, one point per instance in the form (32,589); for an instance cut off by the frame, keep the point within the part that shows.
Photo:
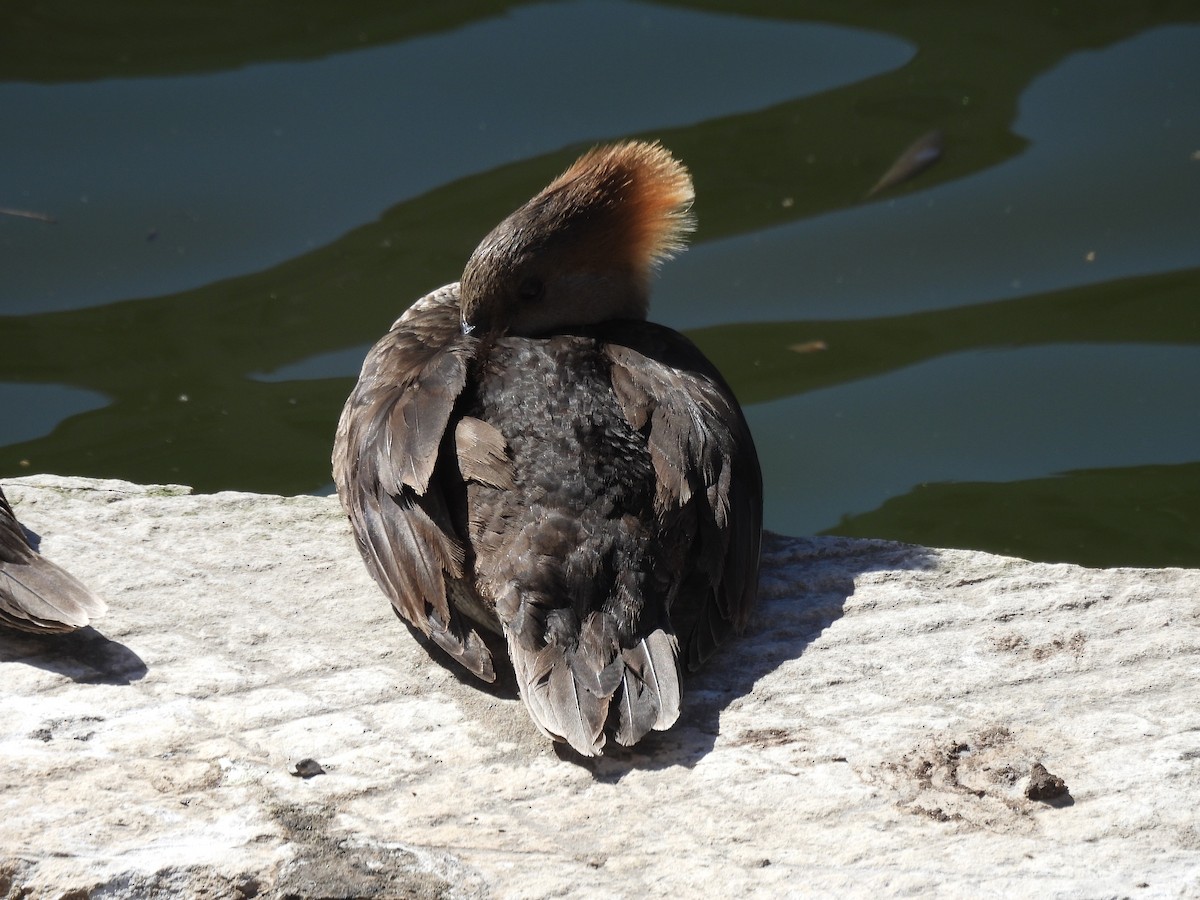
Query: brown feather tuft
(643,199)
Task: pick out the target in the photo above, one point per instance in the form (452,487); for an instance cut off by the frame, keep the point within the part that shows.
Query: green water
(246,195)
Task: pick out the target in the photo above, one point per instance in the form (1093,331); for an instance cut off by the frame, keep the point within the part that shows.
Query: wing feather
(389,442)
(709,483)
(35,594)
(482,453)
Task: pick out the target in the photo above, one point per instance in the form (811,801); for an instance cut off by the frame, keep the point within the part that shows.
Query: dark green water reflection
(246,198)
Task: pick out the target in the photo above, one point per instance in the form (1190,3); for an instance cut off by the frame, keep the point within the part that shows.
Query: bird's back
(581,503)
(582,567)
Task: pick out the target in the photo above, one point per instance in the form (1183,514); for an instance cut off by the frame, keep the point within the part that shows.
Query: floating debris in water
(921,154)
(808,347)
(27,214)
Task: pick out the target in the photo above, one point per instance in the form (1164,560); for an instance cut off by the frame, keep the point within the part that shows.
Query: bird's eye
(530,289)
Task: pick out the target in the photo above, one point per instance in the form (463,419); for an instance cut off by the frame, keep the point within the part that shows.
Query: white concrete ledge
(873,734)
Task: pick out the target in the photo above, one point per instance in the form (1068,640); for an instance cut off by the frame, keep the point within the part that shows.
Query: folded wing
(709,483)
(389,440)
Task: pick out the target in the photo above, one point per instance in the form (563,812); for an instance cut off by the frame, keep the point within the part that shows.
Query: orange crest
(635,200)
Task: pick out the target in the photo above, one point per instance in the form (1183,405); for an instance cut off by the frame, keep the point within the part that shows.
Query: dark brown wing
(35,594)
(388,442)
(709,484)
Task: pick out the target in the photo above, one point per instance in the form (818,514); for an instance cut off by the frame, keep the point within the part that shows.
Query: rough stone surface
(873,733)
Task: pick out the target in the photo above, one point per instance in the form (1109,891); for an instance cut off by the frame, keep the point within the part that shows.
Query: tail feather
(651,692)
(577,694)
(595,662)
(560,707)
(37,596)
(581,714)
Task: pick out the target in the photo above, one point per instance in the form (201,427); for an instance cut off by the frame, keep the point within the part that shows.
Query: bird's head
(581,251)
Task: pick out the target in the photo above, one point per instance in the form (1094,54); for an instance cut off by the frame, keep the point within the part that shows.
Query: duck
(36,595)
(542,481)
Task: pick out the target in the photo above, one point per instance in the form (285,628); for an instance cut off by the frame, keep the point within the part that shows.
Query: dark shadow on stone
(85,656)
(1062,801)
(32,538)
(803,587)
(505,685)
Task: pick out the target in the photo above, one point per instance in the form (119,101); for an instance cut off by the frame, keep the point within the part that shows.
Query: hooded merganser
(525,454)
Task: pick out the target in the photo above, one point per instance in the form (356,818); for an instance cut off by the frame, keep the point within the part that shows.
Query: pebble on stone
(1044,785)
(307,768)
